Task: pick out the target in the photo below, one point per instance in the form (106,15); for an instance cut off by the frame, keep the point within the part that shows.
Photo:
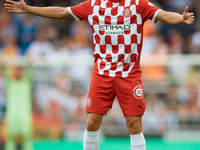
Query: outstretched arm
(175,18)
(48,12)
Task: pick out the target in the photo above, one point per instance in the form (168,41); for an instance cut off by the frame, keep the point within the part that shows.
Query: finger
(8,5)
(21,0)
(191,14)
(190,22)
(186,9)
(8,8)
(12,11)
(11,2)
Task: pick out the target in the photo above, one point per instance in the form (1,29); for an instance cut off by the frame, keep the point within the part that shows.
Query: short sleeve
(80,11)
(148,10)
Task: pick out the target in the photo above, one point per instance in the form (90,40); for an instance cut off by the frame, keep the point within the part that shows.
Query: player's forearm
(48,12)
(174,18)
(170,17)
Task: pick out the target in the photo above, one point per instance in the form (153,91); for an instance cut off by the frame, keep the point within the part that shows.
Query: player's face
(17,72)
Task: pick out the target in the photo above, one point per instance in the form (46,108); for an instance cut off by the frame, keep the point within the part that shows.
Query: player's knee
(92,125)
(134,127)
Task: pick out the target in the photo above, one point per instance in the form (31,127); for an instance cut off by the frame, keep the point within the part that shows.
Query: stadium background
(61,55)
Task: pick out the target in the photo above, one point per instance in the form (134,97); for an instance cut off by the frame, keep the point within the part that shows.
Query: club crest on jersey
(89,102)
(138,92)
(127,12)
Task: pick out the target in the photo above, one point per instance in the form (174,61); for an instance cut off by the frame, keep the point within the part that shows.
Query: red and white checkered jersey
(117,27)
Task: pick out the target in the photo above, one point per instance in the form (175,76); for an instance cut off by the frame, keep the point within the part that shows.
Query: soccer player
(19,106)
(117,27)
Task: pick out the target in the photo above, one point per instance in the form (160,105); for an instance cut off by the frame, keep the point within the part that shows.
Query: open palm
(16,7)
(188,17)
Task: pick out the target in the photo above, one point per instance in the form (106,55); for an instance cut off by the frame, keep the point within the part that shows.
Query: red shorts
(104,89)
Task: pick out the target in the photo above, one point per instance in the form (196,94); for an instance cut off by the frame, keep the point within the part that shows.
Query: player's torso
(117,30)
(19,95)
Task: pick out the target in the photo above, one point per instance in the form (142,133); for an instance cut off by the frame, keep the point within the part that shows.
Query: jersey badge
(138,92)
(127,12)
(89,102)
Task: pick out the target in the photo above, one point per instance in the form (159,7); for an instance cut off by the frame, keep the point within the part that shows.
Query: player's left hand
(188,17)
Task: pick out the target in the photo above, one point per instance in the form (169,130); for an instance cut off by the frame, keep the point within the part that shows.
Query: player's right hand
(16,7)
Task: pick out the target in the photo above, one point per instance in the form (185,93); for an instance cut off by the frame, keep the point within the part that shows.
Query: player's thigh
(12,126)
(129,92)
(100,95)
(26,127)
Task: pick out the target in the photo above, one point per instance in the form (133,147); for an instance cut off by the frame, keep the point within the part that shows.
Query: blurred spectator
(26,32)
(179,5)
(52,34)
(188,96)
(150,38)
(40,47)
(7,28)
(154,109)
(176,42)
(61,51)
(11,49)
(172,98)
(195,42)
(78,114)
(81,50)
(196,8)
(154,55)
(59,100)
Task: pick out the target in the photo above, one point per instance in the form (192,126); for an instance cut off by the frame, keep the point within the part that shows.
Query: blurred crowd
(60,90)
